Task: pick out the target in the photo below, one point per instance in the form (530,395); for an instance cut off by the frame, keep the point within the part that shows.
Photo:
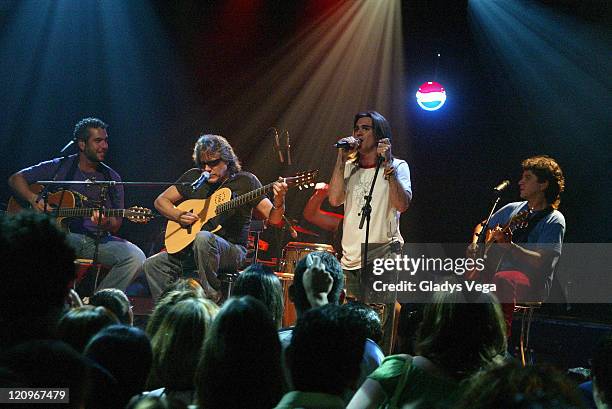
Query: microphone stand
(366,211)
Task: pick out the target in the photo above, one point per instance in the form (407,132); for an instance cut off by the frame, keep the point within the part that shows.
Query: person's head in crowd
(460,336)
(44,364)
(241,364)
(369,318)
(297,293)
(126,353)
(80,324)
(164,304)
(260,282)
(184,284)
(116,301)
(37,267)
(601,372)
(326,350)
(178,343)
(512,386)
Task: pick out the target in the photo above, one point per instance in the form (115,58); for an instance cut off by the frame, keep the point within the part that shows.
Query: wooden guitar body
(178,237)
(67,204)
(64,199)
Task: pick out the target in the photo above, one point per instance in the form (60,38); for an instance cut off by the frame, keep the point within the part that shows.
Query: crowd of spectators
(194,353)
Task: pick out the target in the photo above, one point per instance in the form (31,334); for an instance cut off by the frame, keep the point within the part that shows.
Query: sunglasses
(210,163)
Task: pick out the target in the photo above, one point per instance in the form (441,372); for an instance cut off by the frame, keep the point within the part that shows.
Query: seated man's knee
(205,239)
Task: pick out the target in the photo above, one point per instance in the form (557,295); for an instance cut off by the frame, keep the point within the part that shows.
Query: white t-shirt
(384,222)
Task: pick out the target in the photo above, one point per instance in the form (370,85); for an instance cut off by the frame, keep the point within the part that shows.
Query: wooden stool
(526,309)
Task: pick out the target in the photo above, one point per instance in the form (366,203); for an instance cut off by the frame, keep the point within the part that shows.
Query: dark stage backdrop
(162,72)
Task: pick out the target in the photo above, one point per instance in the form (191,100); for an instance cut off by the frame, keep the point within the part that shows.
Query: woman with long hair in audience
(240,366)
(455,340)
(260,282)
(164,304)
(177,345)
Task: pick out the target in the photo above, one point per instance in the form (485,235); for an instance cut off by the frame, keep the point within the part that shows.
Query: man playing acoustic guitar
(531,253)
(223,250)
(124,258)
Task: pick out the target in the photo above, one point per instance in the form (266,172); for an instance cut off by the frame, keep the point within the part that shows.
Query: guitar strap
(521,235)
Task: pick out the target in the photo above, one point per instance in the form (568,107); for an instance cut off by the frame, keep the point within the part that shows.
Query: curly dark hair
(220,145)
(81,132)
(332,266)
(548,170)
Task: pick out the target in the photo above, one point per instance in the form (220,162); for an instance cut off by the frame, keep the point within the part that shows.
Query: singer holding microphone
(350,182)
(217,166)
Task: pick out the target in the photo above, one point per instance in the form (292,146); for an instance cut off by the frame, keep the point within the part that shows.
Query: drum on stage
(289,315)
(294,251)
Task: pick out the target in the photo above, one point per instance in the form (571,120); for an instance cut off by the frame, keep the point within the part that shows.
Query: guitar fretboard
(244,199)
(84,211)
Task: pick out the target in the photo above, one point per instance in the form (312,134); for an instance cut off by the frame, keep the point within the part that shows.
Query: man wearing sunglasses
(211,253)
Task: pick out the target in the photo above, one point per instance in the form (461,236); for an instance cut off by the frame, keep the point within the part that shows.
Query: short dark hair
(332,266)
(601,369)
(80,324)
(220,145)
(81,132)
(548,170)
(37,267)
(115,300)
(369,319)
(326,350)
(126,353)
(260,282)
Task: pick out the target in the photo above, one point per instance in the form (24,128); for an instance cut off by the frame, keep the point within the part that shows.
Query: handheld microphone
(346,145)
(200,181)
(502,186)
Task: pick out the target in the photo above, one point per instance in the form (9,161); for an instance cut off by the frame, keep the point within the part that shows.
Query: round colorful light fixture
(431,96)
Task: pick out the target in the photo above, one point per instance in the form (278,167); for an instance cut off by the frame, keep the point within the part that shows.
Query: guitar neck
(245,198)
(85,212)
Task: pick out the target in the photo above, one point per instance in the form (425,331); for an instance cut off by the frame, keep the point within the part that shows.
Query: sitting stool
(526,309)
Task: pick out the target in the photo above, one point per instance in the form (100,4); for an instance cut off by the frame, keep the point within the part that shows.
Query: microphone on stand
(288,147)
(277,146)
(200,181)
(502,186)
(67,145)
(292,231)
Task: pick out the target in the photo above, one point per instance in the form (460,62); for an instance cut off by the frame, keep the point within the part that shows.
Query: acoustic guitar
(208,210)
(67,204)
(493,258)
